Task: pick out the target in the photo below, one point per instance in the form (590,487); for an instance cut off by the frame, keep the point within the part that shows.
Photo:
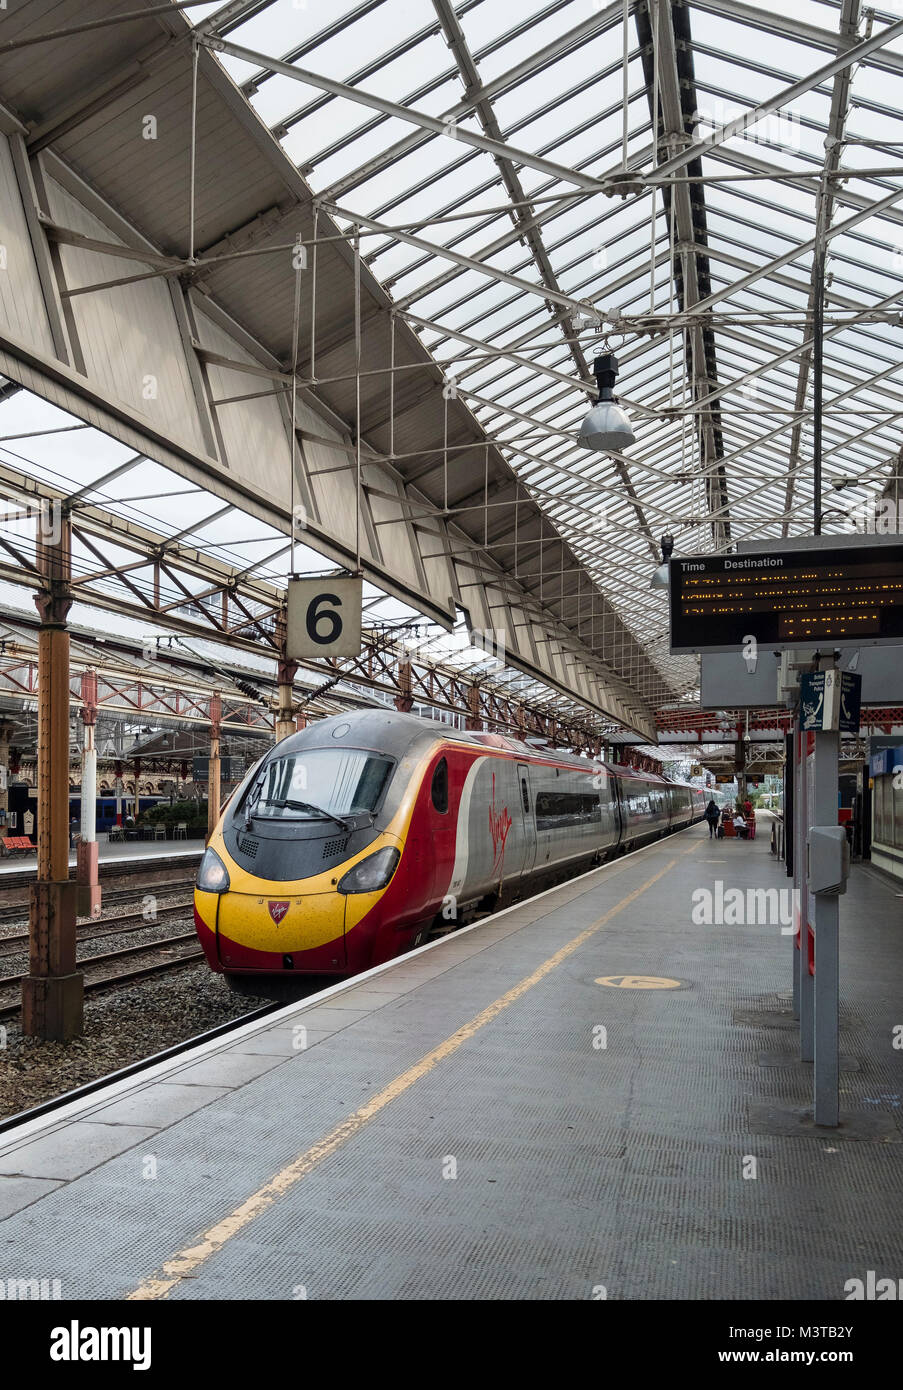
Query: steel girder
(668,62)
(129,570)
(840,100)
(203,343)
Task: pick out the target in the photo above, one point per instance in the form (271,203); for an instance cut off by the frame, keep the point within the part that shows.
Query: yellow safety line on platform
(184,1264)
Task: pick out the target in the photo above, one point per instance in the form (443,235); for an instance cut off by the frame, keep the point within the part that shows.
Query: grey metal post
(791,831)
(803,821)
(827,944)
(818,350)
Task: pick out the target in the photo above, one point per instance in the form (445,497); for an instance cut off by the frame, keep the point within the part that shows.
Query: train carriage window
(556,809)
(525,795)
(440,786)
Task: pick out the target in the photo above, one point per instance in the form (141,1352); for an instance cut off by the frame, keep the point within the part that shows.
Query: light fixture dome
(606,429)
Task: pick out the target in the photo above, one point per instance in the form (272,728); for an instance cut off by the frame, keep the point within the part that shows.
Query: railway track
(116,897)
(105,926)
(116,977)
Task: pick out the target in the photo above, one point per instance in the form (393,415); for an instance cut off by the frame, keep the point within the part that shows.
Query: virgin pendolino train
(350,841)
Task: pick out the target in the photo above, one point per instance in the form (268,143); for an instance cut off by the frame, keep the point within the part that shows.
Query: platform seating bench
(18,844)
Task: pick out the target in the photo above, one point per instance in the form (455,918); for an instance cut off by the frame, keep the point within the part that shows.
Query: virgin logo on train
(278,911)
(499,825)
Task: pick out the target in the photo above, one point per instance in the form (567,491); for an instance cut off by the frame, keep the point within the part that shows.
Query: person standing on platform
(711,814)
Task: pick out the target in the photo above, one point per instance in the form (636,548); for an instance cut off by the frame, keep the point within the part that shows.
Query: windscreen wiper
(251,801)
(287,802)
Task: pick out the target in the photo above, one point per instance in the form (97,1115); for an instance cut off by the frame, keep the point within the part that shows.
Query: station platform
(453,1126)
(117,850)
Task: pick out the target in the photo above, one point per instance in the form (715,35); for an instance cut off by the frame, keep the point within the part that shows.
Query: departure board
(785,598)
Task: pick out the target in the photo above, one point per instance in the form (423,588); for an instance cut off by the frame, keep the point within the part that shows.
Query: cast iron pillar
(52,991)
(473,720)
(87,878)
(404,700)
(6,732)
(286,670)
(213,774)
(740,769)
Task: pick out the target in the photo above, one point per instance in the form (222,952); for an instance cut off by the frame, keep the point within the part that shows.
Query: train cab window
(315,783)
(440,786)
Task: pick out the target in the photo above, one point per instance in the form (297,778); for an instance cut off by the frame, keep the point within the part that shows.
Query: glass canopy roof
(721,397)
(501,168)
(52,448)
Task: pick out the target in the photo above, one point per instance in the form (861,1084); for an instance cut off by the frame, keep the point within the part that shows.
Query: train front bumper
(246,932)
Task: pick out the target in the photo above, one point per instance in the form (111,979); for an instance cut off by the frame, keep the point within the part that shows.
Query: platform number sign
(324,617)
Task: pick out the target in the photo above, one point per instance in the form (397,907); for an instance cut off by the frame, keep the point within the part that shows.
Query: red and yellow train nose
(247,924)
(271,929)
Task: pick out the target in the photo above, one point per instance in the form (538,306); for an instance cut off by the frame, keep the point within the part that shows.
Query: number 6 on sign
(324,617)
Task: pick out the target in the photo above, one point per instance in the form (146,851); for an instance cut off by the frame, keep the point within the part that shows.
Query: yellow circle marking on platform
(638,982)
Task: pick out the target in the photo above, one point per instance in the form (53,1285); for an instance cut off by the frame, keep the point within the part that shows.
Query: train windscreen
(340,782)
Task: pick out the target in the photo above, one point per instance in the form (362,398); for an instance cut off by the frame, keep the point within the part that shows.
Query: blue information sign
(830,700)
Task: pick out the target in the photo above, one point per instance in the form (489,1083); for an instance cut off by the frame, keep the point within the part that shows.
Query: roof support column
(53,991)
(404,700)
(286,670)
(213,774)
(474,722)
(740,768)
(6,732)
(87,876)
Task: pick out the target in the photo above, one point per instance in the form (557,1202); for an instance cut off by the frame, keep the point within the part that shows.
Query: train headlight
(371,873)
(213,876)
